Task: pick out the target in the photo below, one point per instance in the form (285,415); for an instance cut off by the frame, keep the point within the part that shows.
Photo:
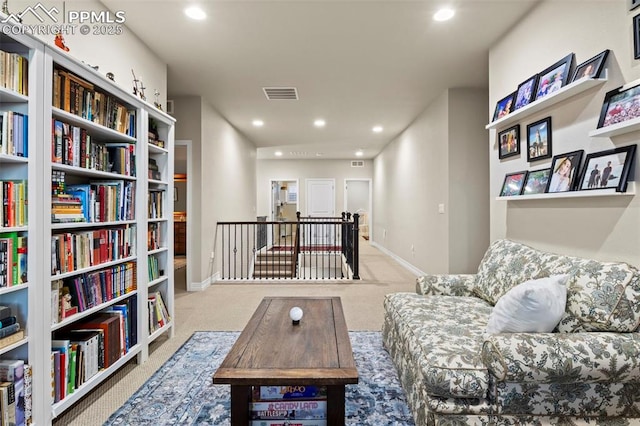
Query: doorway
(181,207)
(358,199)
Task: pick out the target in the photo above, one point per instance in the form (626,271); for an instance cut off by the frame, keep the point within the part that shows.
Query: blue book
(83,192)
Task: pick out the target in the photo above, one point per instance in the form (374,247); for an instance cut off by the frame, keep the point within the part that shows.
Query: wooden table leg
(335,405)
(240,396)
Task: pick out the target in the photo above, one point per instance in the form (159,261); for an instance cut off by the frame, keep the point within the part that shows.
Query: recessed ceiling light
(278,153)
(319,122)
(359,153)
(444,14)
(258,123)
(377,129)
(194,12)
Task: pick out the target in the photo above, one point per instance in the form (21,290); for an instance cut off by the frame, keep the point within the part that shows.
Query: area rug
(181,391)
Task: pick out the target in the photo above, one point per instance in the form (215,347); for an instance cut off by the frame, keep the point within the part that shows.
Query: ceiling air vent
(281,93)
(357,163)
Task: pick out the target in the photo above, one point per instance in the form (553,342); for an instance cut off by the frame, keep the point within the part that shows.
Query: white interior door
(321,202)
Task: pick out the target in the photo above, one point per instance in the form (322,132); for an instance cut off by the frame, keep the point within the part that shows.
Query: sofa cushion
(507,264)
(601,296)
(444,334)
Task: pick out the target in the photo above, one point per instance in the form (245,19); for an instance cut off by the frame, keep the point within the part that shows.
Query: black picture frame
(565,171)
(526,92)
(539,140)
(504,106)
(509,142)
(619,159)
(633,4)
(592,67)
(555,77)
(636,37)
(536,182)
(621,104)
(513,184)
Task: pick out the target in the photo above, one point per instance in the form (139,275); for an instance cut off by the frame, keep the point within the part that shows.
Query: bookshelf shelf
(14,288)
(92,268)
(11,96)
(13,346)
(93,129)
(88,312)
(158,281)
(91,224)
(14,229)
(59,407)
(154,149)
(4,158)
(564,93)
(158,182)
(159,250)
(158,219)
(79,171)
(153,336)
(608,192)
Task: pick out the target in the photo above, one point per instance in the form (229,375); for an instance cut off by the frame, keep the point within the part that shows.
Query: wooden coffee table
(272,351)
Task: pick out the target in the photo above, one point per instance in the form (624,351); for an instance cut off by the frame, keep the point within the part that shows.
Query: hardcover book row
(14,128)
(14,211)
(13,259)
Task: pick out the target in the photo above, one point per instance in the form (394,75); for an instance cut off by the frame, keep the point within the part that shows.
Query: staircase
(277,262)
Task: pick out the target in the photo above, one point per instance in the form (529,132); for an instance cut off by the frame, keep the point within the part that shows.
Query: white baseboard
(201,286)
(415,271)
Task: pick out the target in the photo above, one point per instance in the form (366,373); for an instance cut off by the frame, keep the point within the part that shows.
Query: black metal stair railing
(309,248)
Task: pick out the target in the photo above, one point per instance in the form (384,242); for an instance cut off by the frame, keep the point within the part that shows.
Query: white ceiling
(355,63)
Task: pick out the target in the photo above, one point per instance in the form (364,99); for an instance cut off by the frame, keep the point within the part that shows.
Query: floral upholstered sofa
(454,373)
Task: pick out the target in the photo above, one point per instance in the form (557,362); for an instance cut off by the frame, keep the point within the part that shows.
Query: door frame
(190,241)
(370,207)
(271,194)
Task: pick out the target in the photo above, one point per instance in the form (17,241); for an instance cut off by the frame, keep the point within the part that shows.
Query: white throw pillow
(533,306)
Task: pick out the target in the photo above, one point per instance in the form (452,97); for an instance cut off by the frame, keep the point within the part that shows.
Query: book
(13,371)
(8,403)
(267,393)
(9,330)
(28,392)
(298,410)
(12,338)
(284,422)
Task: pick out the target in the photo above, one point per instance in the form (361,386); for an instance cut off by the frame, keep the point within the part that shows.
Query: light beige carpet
(228,307)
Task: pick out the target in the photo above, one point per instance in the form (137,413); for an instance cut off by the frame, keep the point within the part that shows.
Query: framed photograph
(608,169)
(513,184)
(633,4)
(504,106)
(539,140)
(536,182)
(554,77)
(565,169)
(636,37)
(526,91)
(591,68)
(620,105)
(509,142)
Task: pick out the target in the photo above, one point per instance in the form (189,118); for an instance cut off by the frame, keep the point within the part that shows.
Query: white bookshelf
(566,92)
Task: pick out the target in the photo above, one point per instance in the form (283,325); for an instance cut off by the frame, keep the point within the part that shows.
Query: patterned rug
(181,391)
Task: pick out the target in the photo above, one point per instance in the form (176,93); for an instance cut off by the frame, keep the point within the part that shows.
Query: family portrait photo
(554,77)
(536,182)
(539,140)
(608,169)
(620,106)
(591,68)
(564,171)
(509,142)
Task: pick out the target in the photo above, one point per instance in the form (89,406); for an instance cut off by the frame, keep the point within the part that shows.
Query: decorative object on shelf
(608,169)
(509,142)
(536,182)
(504,106)
(592,67)
(155,102)
(564,171)
(526,91)
(110,76)
(539,140)
(620,105)
(296,315)
(59,41)
(5,10)
(138,87)
(513,184)
(555,76)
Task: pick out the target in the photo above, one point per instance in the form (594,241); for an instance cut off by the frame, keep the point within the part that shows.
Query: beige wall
(604,228)
(436,160)
(224,177)
(306,169)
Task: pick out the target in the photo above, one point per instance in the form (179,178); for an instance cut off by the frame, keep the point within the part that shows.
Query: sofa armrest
(446,285)
(563,357)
